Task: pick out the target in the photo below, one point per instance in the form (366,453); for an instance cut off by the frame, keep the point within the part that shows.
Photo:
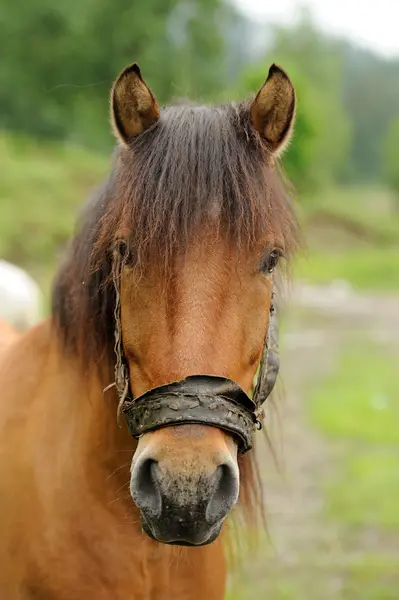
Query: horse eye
(127,253)
(270,261)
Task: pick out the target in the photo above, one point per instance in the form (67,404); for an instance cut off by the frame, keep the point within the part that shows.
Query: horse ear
(273,110)
(133,106)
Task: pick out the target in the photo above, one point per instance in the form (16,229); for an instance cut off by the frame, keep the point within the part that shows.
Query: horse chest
(121,563)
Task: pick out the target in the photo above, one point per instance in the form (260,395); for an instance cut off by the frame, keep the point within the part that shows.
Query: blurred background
(333,510)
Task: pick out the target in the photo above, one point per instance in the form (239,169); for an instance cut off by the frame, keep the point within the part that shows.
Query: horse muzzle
(188,504)
(183,508)
(188,507)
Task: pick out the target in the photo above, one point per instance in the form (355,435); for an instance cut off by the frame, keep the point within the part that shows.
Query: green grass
(365,492)
(369,206)
(41,188)
(324,577)
(358,407)
(356,240)
(372,577)
(360,401)
(365,268)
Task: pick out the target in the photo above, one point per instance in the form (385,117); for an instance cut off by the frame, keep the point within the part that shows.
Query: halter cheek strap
(270,361)
(121,370)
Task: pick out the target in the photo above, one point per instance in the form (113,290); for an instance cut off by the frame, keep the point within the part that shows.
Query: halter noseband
(197,399)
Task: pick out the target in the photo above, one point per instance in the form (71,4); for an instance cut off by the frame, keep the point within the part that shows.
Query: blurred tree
(59,59)
(371,98)
(391,158)
(318,153)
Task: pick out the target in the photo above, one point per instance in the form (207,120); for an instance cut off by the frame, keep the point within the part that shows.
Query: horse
(7,334)
(127,416)
(20,296)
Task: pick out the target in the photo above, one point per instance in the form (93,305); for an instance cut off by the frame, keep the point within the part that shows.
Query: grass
(365,268)
(41,188)
(357,240)
(371,207)
(365,492)
(360,401)
(374,577)
(358,408)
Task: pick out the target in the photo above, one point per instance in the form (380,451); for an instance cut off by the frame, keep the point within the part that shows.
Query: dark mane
(195,163)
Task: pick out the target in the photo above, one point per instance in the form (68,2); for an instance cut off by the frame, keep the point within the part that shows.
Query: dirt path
(304,555)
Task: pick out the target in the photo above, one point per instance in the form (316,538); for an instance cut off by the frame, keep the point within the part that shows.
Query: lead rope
(121,382)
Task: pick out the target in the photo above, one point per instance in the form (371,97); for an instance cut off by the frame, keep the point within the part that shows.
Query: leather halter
(197,399)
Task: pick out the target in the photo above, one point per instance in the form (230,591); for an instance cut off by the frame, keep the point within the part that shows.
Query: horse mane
(196,162)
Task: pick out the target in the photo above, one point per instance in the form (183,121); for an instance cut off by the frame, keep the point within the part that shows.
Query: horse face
(210,318)
(183,178)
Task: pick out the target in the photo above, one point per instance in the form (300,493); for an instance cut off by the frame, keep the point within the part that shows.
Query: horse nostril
(144,487)
(225,494)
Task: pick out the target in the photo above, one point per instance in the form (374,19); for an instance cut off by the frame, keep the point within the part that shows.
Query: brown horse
(172,267)
(7,335)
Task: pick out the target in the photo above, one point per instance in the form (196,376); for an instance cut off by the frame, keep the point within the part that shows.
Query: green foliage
(360,93)
(348,98)
(317,69)
(61,59)
(371,99)
(318,153)
(391,157)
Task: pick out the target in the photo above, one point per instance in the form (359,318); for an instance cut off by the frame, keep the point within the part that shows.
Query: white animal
(20,297)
